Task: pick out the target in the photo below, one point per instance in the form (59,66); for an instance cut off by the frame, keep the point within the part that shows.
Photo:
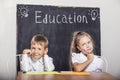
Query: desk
(92,76)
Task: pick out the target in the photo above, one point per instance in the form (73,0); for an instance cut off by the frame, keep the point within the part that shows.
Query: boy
(36,58)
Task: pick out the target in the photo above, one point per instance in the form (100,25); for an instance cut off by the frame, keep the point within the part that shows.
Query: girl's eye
(83,44)
(89,42)
(33,48)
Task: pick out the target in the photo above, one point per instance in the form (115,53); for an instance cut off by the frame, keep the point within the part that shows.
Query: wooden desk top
(92,76)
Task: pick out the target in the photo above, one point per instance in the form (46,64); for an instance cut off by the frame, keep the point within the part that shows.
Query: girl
(82,49)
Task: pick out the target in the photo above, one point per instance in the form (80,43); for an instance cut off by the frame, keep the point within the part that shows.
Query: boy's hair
(76,37)
(40,38)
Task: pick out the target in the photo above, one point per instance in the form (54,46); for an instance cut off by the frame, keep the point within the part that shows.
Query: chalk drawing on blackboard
(23,11)
(94,14)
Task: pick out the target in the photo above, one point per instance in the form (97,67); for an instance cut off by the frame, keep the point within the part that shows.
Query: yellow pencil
(74,73)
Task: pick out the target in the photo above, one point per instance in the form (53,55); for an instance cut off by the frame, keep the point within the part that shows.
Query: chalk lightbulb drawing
(23,11)
(94,14)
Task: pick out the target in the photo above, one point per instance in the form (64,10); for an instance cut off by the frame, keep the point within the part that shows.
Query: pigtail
(73,47)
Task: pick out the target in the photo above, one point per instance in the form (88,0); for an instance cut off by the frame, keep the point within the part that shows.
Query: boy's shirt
(43,64)
(95,65)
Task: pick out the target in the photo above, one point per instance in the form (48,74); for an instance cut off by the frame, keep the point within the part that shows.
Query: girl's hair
(76,37)
(41,39)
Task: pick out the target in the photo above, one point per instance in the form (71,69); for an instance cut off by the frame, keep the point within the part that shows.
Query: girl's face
(85,45)
(37,51)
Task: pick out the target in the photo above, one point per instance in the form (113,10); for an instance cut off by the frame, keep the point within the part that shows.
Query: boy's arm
(24,62)
(48,62)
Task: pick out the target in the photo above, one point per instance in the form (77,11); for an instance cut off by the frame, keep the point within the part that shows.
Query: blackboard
(57,23)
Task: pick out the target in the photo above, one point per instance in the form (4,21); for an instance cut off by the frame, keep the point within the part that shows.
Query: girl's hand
(90,56)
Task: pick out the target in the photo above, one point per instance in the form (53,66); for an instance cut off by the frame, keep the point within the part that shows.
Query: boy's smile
(37,51)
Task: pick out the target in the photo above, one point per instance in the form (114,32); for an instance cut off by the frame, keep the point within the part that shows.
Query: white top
(43,64)
(96,65)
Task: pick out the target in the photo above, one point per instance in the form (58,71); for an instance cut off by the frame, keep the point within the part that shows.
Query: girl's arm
(81,66)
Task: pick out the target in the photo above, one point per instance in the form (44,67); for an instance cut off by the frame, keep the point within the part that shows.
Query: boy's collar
(40,60)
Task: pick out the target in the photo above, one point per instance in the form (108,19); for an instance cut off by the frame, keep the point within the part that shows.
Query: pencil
(75,73)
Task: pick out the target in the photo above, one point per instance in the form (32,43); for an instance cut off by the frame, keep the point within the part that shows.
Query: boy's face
(38,50)
(85,45)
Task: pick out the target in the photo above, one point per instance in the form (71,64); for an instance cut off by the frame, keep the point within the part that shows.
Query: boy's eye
(39,48)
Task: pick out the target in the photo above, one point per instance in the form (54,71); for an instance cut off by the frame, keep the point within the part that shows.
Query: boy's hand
(46,51)
(27,51)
